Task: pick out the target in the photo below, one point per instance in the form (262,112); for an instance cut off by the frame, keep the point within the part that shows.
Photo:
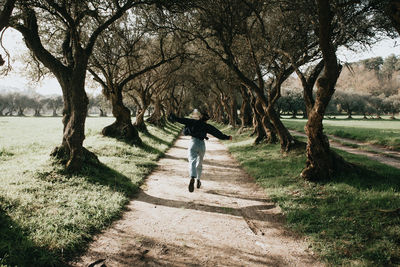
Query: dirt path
(392,158)
(228,222)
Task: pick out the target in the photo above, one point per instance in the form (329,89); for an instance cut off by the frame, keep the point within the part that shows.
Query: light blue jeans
(197,149)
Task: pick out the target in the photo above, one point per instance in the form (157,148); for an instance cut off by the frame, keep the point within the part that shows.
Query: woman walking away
(198,130)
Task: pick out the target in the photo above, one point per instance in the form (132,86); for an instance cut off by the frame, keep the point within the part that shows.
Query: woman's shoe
(191,185)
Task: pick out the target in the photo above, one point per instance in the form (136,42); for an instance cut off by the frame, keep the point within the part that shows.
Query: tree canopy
(220,56)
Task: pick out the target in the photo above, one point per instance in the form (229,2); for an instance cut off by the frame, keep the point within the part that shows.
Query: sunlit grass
(47,216)
(381,132)
(344,219)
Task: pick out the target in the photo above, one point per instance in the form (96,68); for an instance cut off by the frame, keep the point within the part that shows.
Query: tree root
(62,156)
(334,164)
(157,121)
(126,132)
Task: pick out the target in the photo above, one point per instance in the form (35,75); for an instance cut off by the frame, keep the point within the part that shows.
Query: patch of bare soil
(229,221)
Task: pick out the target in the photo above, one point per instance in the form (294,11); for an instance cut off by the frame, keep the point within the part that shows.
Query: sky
(12,41)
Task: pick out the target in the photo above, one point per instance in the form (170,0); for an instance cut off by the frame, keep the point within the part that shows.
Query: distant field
(46,215)
(381,132)
(375,124)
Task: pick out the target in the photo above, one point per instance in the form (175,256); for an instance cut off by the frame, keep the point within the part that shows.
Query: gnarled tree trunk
(260,105)
(70,71)
(122,127)
(274,93)
(217,113)
(139,124)
(285,138)
(71,152)
(258,116)
(20,112)
(321,161)
(234,120)
(258,129)
(37,113)
(103,113)
(245,109)
(156,117)
(225,104)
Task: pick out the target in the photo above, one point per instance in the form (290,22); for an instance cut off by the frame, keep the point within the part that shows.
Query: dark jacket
(199,129)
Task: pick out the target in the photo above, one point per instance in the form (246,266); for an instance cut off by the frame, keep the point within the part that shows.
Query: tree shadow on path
(153,252)
(253,212)
(236,195)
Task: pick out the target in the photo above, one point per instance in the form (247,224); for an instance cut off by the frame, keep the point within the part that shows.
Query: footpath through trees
(228,222)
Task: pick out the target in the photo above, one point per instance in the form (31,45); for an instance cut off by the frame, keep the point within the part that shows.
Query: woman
(198,129)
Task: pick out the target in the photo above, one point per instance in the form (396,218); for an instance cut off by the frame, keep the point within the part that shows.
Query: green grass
(46,217)
(341,218)
(380,132)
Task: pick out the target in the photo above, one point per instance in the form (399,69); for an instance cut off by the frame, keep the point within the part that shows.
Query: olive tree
(62,35)
(125,53)
(349,102)
(55,103)
(392,105)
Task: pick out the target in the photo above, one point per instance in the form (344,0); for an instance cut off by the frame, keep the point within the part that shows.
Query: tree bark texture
(260,106)
(233,112)
(217,113)
(258,115)
(245,108)
(227,103)
(285,138)
(156,117)
(321,161)
(274,93)
(139,124)
(122,128)
(71,152)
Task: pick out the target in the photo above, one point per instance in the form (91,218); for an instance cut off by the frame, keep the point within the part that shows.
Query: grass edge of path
(347,221)
(47,217)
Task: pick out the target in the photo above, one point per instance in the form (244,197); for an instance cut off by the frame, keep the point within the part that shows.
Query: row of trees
(18,104)
(21,104)
(262,43)
(343,102)
(216,55)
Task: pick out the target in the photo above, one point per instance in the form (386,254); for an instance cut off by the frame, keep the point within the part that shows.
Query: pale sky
(12,41)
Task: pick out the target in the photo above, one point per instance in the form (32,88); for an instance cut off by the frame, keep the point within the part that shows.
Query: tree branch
(6,13)
(31,36)
(136,74)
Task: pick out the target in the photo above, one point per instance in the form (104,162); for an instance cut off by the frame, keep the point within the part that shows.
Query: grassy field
(381,132)
(45,216)
(349,221)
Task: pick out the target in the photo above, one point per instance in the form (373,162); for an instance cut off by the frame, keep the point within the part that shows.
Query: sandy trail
(228,222)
